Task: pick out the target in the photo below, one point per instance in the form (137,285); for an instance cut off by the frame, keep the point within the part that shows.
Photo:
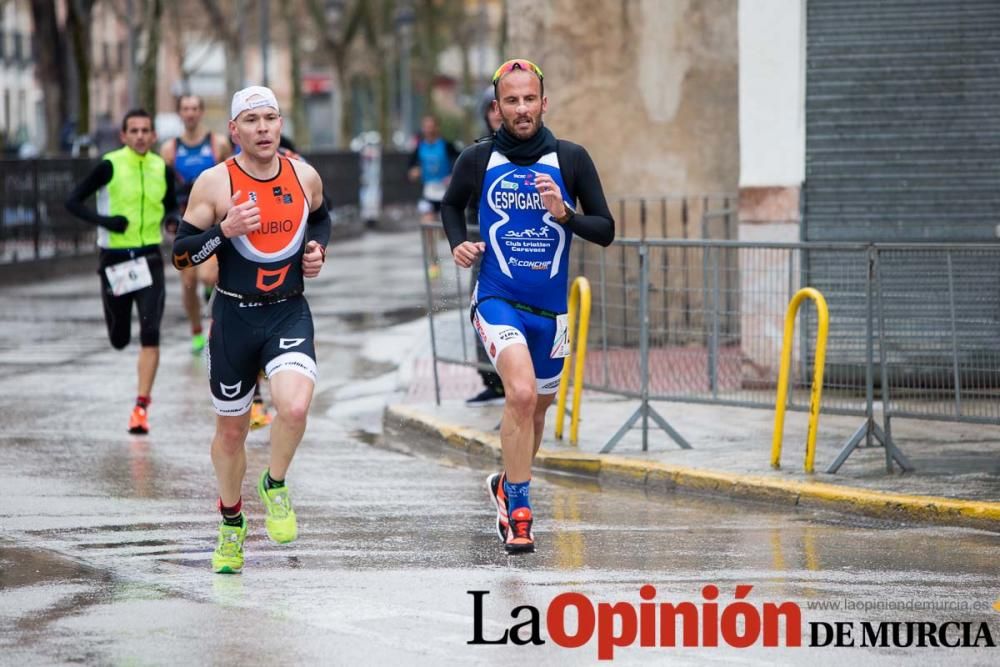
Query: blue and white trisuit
(521,293)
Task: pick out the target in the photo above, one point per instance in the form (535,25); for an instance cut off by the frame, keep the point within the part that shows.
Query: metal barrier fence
(34,222)
(341,175)
(701,321)
(684,216)
(397,188)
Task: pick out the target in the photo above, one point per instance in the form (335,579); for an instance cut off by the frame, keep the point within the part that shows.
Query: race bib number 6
(130,276)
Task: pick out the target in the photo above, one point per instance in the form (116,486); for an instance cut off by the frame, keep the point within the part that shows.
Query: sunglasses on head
(517,63)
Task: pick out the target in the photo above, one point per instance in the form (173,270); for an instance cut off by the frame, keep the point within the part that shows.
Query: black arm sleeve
(319,225)
(452,152)
(171,212)
(456,198)
(414,158)
(192,246)
(76,202)
(170,207)
(595,224)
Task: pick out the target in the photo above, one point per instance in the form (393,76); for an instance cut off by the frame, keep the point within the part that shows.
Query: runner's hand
(465,253)
(171,223)
(312,259)
(117,224)
(241,219)
(552,198)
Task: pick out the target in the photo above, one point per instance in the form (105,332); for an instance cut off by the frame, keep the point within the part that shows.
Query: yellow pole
(817,384)
(564,378)
(579,302)
(582,287)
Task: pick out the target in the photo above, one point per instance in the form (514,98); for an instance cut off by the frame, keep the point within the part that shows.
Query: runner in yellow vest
(135,196)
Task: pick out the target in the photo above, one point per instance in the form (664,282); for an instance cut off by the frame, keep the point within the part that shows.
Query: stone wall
(650,87)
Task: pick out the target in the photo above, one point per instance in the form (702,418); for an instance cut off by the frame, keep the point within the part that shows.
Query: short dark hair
(137,113)
(180,98)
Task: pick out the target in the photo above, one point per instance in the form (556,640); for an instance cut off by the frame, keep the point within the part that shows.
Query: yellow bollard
(579,302)
(817,384)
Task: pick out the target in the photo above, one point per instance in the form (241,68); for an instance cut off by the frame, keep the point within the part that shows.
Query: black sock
(232,516)
(272,483)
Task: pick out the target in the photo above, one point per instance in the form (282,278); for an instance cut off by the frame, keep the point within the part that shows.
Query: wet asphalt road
(105,537)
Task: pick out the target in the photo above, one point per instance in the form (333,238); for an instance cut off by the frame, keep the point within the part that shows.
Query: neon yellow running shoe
(228,555)
(280,520)
(198,341)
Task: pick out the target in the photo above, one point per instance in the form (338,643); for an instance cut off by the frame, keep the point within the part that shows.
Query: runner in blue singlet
(190,154)
(431,163)
(526,183)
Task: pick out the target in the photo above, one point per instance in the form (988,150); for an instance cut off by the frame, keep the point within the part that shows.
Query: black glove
(116,223)
(171,223)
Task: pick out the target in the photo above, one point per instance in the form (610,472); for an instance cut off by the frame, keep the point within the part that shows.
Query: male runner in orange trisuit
(263,216)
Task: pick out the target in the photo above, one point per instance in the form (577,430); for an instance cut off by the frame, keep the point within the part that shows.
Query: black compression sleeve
(76,202)
(192,246)
(595,224)
(456,198)
(170,197)
(171,212)
(319,225)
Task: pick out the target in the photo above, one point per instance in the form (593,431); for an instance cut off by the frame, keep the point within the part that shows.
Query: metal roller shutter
(903,144)
(902,120)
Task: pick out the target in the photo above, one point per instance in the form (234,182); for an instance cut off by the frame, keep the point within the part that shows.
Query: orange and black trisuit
(261,319)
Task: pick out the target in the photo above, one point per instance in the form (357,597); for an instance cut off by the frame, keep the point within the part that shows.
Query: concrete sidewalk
(957,480)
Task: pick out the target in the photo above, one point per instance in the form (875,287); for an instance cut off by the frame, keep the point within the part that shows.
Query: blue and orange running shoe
(494,485)
(520,539)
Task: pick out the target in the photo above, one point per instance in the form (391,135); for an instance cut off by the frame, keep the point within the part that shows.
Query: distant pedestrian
(431,163)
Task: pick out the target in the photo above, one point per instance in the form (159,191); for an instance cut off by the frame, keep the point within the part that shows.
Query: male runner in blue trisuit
(526,182)
(190,154)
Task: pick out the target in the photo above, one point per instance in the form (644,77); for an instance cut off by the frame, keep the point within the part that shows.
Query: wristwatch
(570,212)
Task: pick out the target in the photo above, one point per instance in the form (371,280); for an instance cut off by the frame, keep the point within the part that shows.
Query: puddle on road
(366,369)
(362,321)
(367,437)
(28,567)
(119,545)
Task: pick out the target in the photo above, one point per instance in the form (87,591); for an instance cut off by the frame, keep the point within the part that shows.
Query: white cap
(252,98)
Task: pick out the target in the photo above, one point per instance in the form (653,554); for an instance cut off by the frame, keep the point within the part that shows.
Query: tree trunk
(290,15)
(51,70)
(385,36)
(469,128)
(179,46)
(232,41)
(383,98)
(78,26)
(344,102)
(147,81)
